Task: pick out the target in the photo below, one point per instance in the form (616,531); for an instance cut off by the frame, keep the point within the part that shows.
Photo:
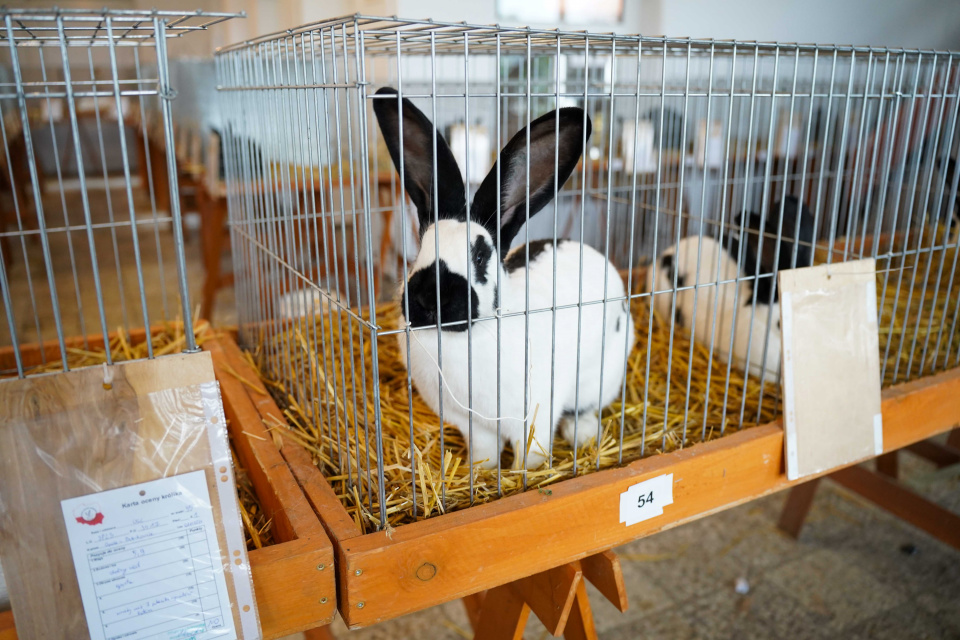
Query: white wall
(923,24)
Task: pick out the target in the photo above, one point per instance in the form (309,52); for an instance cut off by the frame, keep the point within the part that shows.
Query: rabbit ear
(417,150)
(516,168)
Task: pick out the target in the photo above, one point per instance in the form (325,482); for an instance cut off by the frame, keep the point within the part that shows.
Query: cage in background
(85,107)
(709,166)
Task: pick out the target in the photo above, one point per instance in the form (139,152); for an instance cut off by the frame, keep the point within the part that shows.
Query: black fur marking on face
(421,296)
(517,259)
(666,263)
(480,254)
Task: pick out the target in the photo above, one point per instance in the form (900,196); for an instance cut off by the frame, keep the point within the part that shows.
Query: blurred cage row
(818,154)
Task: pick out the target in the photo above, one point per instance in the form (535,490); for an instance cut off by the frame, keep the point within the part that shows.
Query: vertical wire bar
(466,139)
(343,243)
(583,208)
(656,238)
(38,202)
(68,233)
(526,281)
(933,231)
(496,170)
(23,249)
(319,388)
(327,350)
(606,243)
(875,152)
(167,94)
(923,219)
(776,252)
(857,174)
(81,175)
(356,267)
(896,211)
(701,225)
(129,188)
(743,207)
(108,195)
(720,240)
(300,228)
(900,70)
(150,186)
(435,204)
(556,212)
(953,269)
(406,276)
(336,266)
(630,253)
(371,296)
(676,272)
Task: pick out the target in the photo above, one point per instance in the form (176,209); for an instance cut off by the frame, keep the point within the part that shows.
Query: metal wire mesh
(90,235)
(703,155)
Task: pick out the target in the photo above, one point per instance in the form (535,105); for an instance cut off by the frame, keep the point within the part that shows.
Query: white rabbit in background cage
(468,267)
(718,307)
(723,305)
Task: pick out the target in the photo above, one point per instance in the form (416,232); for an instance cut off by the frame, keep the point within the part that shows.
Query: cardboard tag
(831,366)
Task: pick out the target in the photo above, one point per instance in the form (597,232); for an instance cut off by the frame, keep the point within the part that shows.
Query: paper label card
(148,561)
(646,499)
(831,366)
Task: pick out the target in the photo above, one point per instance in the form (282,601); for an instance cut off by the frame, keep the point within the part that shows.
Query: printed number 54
(644,500)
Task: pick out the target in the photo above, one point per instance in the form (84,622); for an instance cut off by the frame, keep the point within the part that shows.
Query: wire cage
(649,191)
(90,225)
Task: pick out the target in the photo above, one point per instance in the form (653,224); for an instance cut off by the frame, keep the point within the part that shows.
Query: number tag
(646,499)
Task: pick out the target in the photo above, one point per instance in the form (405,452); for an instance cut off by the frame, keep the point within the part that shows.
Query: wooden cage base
(882,488)
(388,574)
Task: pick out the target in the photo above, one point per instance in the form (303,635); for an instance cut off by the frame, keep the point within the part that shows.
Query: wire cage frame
(702,154)
(85,115)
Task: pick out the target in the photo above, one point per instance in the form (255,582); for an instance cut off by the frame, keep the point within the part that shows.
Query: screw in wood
(323,601)
(358,572)
(321,567)
(360,605)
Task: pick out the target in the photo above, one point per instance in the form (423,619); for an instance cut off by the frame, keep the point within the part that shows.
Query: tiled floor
(854,573)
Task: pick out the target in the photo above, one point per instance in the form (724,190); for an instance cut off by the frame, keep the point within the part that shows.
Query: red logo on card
(90,515)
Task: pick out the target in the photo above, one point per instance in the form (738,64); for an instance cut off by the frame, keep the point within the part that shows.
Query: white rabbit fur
(452,269)
(718,306)
(618,342)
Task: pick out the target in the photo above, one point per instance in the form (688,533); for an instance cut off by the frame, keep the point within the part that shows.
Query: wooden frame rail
(294,580)
(382,576)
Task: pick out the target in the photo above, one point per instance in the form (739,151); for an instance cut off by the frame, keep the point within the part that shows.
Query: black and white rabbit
(468,265)
(713,300)
(797,223)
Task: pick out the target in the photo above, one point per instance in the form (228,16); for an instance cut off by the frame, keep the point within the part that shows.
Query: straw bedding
(442,481)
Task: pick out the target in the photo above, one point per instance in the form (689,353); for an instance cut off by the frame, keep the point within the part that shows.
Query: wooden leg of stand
(953,440)
(887,464)
(901,502)
(938,454)
(550,594)
(604,572)
(320,633)
(580,624)
(503,615)
(797,507)
(474,604)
